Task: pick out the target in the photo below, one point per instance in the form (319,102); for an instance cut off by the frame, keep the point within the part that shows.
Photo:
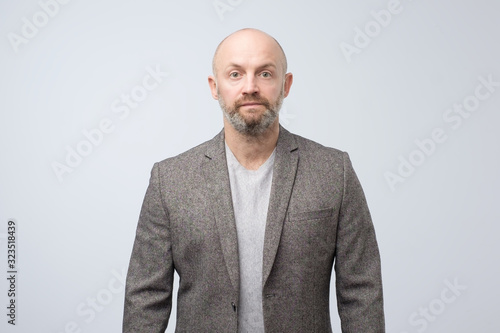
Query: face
(249,82)
(246,115)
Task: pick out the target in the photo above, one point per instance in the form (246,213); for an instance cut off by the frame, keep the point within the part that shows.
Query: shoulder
(316,153)
(313,147)
(193,157)
(328,164)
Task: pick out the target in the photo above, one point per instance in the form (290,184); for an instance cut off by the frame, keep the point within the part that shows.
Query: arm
(148,292)
(357,263)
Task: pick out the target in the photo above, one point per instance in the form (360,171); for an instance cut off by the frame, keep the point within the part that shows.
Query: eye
(234,75)
(266,74)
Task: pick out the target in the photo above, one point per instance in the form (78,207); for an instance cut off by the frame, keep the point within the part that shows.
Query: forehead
(248,48)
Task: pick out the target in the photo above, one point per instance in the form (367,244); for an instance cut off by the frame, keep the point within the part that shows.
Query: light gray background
(437,228)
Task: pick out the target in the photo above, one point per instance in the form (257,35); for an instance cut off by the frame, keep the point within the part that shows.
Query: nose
(250,85)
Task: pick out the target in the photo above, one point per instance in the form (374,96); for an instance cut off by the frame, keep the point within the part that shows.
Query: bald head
(244,41)
(250,82)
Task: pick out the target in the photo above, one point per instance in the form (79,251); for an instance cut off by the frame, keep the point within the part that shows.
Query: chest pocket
(311,215)
(312,233)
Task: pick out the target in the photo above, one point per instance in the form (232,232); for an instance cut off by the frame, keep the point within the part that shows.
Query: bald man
(254,220)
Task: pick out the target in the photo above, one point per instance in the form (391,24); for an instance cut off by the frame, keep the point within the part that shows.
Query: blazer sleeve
(357,261)
(148,292)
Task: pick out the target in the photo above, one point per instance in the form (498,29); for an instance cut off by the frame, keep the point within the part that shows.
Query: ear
(212,82)
(288,83)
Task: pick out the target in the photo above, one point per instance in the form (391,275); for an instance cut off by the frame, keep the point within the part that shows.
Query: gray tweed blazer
(317,219)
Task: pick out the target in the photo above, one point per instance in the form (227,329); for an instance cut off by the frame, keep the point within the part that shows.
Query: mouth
(251,104)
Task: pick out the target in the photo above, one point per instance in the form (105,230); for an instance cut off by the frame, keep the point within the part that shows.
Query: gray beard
(254,127)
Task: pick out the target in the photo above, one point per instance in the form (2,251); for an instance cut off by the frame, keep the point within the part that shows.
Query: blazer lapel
(219,191)
(284,171)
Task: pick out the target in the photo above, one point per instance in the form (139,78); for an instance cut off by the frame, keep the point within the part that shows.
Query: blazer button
(234,306)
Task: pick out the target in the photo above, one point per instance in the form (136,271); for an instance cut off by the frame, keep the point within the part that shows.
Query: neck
(252,151)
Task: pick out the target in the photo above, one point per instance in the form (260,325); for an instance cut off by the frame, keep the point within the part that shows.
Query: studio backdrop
(94,92)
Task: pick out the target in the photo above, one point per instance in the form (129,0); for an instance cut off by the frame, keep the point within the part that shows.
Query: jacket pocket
(311,215)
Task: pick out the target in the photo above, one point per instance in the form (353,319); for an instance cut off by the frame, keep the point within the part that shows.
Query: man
(254,219)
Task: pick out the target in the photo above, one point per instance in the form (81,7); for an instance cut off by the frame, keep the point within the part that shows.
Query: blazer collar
(216,146)
(219,190)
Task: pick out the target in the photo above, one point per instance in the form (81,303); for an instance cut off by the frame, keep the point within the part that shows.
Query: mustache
(245,100)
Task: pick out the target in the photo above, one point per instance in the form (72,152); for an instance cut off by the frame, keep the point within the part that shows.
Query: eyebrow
(268,65)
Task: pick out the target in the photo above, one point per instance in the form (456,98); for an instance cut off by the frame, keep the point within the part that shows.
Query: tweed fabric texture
(318,220)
